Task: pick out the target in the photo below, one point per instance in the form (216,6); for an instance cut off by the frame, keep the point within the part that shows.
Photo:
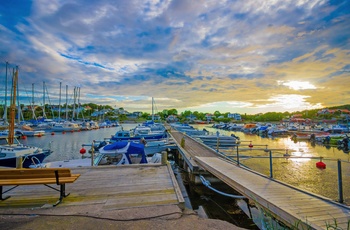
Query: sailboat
(12,152)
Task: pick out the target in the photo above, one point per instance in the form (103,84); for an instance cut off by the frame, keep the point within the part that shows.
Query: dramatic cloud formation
(205,55)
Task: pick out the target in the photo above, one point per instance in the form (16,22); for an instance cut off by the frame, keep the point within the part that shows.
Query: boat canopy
(131,148)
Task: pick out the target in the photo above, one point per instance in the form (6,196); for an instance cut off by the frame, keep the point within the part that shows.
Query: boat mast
(19,111)
(44,115)
(152,110)
(66,102)
(59,104)
(33,109)
(11,134)
(5,106)
(74,100)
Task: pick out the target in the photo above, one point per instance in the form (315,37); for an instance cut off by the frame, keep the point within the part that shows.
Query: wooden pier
(105,188)
(289,205)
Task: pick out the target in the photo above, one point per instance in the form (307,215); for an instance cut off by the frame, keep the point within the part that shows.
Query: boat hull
(27,160)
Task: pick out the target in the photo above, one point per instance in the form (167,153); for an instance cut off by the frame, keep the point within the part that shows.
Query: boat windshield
(107,159)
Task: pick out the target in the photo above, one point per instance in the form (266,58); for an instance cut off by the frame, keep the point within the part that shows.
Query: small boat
(117,154)
(123,135)
(65,127)
(151,147)
(221,140)
(12,152)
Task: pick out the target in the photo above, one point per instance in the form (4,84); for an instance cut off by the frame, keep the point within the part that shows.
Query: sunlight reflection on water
(299,172)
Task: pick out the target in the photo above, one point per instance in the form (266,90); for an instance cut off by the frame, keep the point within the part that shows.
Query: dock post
(340,183)
(92,153)
(183,142)
(164,158)
(19,162)
(271,173)
(237,156)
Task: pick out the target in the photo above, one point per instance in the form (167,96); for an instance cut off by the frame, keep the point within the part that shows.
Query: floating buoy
(39,135)
(53,133)
(72,131)
(63,132)
(24,137)
(82,150)
(320,165)
(250,145)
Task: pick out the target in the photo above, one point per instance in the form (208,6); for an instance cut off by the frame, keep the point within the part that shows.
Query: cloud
(235,55)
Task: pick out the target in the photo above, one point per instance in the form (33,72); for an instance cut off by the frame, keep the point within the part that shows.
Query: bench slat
(37,181)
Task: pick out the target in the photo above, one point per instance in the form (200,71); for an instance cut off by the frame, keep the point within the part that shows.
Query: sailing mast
(5,106)
(44,114)
(11,134)
(152,110)
(66,102)
(33,109)
(59,104)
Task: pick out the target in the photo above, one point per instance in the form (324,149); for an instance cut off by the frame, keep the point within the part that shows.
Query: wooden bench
(44,176)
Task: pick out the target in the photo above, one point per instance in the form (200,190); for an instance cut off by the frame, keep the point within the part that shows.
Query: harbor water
(298,172)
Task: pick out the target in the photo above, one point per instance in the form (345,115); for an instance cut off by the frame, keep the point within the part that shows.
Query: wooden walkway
(295,208)
(107,188)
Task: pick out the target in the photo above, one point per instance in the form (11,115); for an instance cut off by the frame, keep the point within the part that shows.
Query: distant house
(209,116)
(172,118)
(235,116)
(191,118)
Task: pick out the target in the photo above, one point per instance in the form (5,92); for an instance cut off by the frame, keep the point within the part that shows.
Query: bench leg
(3,198)
(62,194)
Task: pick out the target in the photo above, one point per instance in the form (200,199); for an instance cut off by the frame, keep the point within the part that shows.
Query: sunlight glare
(297,85)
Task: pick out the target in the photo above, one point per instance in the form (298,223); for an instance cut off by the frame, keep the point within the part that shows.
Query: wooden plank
(292,206)
(177,189)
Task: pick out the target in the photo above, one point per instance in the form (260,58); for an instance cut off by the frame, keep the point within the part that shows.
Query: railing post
(340,182)
(271,171)
(237,156)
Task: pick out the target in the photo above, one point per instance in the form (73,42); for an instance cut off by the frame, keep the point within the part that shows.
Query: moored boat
(115,154)
(12,152)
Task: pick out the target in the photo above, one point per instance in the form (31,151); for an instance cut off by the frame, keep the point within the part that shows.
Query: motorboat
(65,127)
(221,140)
(11,153)
(150,147)
(124,135)
(114,154)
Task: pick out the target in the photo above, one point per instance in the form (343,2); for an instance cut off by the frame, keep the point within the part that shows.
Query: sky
(204,55)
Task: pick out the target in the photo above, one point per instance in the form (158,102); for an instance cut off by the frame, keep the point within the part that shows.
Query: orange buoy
(320,165)
(82,150)
(53,133)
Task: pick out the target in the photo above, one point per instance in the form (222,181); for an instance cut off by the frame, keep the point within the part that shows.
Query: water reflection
(299,172)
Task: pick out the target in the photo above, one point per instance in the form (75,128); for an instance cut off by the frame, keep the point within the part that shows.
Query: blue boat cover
(134,148)
(116,145)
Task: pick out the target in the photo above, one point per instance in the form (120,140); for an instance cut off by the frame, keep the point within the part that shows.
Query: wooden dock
(293,207)
(107,187)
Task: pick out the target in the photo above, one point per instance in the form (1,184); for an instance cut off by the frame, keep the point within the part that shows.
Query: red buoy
(82,150)
(250,145)
(24,137)
(320,165)
(53,133)
(63,132)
